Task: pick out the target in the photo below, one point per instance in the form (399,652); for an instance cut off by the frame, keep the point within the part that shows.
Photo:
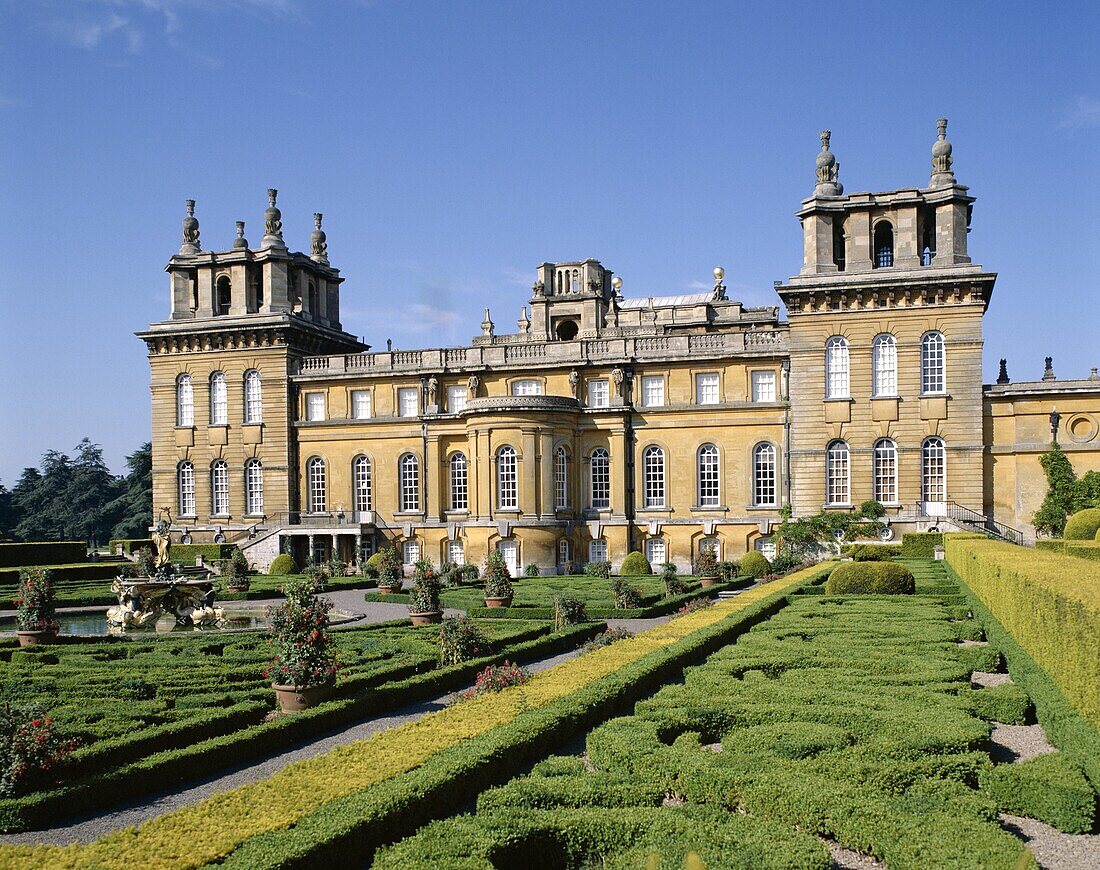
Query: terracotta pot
(35,638)
(426,617)
(498,602)
(295,699)
(389,590)
(707,582)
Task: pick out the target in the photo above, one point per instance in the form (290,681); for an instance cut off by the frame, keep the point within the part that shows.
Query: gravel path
(1053,849)
(987,680)
(86,828)
(846,859)
(1014,743)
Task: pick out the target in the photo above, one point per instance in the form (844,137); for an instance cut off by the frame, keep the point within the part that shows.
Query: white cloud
(1081,113)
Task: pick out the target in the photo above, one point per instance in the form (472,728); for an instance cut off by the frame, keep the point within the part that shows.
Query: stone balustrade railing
(581,352)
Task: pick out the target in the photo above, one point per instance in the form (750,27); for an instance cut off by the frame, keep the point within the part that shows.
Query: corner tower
(240,318)
(886,346)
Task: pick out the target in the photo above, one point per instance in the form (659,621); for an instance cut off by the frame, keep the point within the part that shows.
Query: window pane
(836,368)
(597,550)
(409,479)
(219,488)
(706,389)
(316,485)
(527,388)
(763,386)
(708,476)
(185,401)
(763,475)
(655,551)
(884,366)
(456,554)
(253,401)
(187,489)
(411,552)
(361,404)
(315,407)
(653,474)
(459,483)
(653,392)
(934,471)
(836,474)
(456,399)
(598,394)
(561,479)
(407,403)
(601,479)
(362,483)
(219,400)
(933,363)
(254,487)
(886,471)
(507,495)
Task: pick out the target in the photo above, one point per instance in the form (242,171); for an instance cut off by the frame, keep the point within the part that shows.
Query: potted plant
(498,582)
(389,572)
(237,572)
(424,607)
(36,617)
(706,567)
(303,673)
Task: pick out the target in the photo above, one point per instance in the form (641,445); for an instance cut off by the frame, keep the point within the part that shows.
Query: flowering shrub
(706,563)
(460,640)
(727,571)
(598,569)
(299,633)
(316,575)
(694,605)
(495,678)
(35,601)
(568,611)
(626,596)
(498,582)
(30,749)
(606,638)
(390,571)
(674,583)
(424,596)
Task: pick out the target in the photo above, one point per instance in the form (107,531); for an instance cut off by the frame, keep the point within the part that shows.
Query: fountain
(185,593)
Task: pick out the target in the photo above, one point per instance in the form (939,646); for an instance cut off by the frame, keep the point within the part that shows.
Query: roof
(667,301)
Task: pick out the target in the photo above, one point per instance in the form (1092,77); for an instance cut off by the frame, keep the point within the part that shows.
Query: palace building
(606,424)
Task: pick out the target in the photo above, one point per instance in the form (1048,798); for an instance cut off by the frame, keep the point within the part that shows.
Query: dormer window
(884,245)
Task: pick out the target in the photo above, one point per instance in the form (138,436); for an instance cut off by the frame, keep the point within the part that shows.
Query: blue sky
(453,146)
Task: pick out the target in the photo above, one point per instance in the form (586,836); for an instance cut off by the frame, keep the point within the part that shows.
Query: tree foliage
(808,537)
(1066,494)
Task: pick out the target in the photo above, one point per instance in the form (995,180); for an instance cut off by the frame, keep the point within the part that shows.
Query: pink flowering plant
(299,632)
(424,595)
(31,750)
(35,603)
(495,678)
(460,640)
(694,605)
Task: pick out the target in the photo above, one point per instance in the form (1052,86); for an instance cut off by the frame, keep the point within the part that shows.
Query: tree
(133,508)
(7,514)
(1050,519)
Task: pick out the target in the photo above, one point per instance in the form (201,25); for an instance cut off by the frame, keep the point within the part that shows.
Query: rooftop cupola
(190,231)
(273,223)
(942,173)
(828,170)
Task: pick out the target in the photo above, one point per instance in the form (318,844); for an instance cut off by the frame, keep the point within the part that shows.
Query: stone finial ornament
(719,288)
(487,325)
(1002,375)
(190,230)
(828,170)
(273,222)
(1094,375)
(1048,369)
(524,322)
(240,241)
(318,241)
(942,161)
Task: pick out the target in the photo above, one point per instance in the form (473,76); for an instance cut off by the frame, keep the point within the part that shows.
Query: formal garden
(930,703)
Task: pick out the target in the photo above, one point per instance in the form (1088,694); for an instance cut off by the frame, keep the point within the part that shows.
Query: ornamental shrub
(920,545)
(495,678)
(755,564)
(236,571)
(706,563)
(460,640)
(1083,525)
(424,596)
(873,552)
(299,633)
(872,510)
(605,638)
(316,576)
(635,563)
(694,605)
(35,603)
(146,562)
(390,570)
(31,751)
(674,583)
(626,596)
(568,611)
(531,570)
(283,564)
(727,571)
(865,578)
(498,582)
(1048,788)
(600,569)
(470,573)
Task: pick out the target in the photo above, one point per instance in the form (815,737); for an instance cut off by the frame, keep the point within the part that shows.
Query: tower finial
(1002,375)
(273,222)
(828,170)
(190,230)
(942,161)
(240,241)
(318,241)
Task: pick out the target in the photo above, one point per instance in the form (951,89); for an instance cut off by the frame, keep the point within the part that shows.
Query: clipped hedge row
(1048,788)
(1047,602)
(130,545)
(344,804)
(84,572)
(185,554)
(42,553)
(870,578)
(920,545)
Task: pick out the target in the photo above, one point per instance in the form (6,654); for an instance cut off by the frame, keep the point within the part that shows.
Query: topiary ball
(1083,525)
(635,563)
(870,578)
(283,564)
(755,564)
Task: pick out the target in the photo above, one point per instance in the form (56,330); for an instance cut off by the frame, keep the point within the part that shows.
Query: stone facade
(604,423)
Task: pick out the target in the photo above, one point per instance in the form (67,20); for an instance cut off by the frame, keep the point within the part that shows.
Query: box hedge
(1083,525)
(186,554)
(1049,788)
(283,564)
(130,545)
(870,578)
(42,553)
(755,565)
(635,563)
(920,545)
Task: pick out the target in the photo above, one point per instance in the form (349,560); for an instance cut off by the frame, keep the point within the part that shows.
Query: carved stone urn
(36,638)
(294,699)
(707,582)
(498,602)
(426,617)
(389,587)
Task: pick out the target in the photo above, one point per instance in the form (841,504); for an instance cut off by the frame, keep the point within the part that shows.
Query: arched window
(565,553)
(456,553)
(185,401)
(837,483)
(886,471)
(884,245)
(408,478)
(597,550)
(224,291)
(600,478)
(315,485)
(507,492)
(219,487)
(707,474)
(933,472)
(185,478)
(219,400)
(933,363)
(254,487)
(763,475)
(460,483)
(253,397)
(836,368)
(653,477)
(711,543)
(527,387)
(656,552)
(561,479)
(362,496)
(884,365)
